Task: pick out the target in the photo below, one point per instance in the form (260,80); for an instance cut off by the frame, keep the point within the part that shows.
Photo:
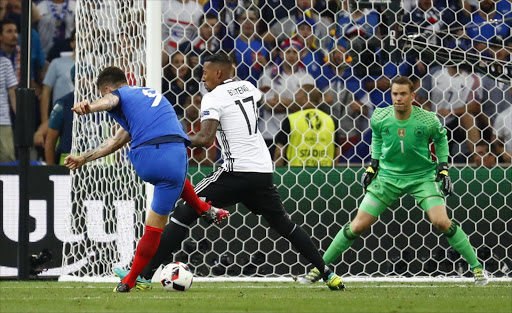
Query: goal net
(349,51)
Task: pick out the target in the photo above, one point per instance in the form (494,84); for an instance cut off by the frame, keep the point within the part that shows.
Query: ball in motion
(176,277)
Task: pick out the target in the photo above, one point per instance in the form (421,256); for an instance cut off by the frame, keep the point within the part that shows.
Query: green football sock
(458,239)
(343,240)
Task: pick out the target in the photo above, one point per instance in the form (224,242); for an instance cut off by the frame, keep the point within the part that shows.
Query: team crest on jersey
(401,132)
(418,131)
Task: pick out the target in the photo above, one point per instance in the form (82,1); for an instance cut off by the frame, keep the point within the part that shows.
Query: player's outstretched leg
(458,239)
(306,247)
(343,240)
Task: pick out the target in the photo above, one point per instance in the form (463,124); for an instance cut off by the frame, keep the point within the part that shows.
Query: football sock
(146,248)
(172,237)
(343,240)
(189,195)
(300,241)
(307,248)
(458,239)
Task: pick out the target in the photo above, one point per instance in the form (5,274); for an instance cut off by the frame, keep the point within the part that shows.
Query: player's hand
(367,177)
(369,174)
(40,135)
(74,161)
(444,177)
(82,108)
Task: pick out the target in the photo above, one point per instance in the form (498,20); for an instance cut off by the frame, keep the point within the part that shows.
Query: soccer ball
(176,277)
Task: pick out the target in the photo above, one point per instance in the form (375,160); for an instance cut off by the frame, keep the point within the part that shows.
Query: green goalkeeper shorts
(383,191)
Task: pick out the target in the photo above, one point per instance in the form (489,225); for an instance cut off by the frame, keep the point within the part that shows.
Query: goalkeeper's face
(402,97)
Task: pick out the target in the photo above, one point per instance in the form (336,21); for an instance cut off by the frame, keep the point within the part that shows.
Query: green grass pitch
(50,296)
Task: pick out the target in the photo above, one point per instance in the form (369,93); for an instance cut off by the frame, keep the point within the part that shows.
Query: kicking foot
(312,277)
(122,288)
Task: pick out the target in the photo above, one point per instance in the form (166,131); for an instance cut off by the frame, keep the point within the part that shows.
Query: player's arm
(206,136)
(107,147)
(371,170)
(441,144)
(49,145)
(438,135)
(107,103)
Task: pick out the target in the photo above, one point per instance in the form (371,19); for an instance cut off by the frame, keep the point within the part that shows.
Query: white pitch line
(356,286)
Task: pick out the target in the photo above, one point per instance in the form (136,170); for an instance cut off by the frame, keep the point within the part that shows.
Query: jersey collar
(229,80)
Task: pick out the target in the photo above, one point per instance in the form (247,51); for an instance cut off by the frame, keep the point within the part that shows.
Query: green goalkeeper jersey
(402,147)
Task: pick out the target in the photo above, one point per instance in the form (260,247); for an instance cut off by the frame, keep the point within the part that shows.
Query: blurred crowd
(322,65)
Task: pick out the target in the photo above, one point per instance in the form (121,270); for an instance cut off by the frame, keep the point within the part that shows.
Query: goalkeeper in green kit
(402,164)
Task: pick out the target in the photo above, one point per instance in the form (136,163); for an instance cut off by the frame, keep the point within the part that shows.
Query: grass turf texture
(49,296)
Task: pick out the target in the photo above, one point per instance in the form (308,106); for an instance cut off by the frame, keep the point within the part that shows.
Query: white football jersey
(234,105)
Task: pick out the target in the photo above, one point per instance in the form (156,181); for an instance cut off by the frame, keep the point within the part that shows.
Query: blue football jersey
(145,114)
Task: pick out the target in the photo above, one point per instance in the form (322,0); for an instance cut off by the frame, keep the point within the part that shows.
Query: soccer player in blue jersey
(158,153)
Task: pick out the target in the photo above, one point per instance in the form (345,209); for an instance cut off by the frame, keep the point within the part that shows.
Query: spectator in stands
(308,136)
(56,84)
(60,128)
(177,82)
(9,47)
(490,28)
(286,27)
(227,11)
(180,18)
(206,43)
(57,21)
(250,54)
(280,83)
(311,56)
(8,83)
(426,26)
(198,155)
(14,12)
(502,137)
(455,95)
(3,9)
(349,108)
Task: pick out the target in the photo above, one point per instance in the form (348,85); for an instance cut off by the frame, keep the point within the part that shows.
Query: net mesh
(346,53)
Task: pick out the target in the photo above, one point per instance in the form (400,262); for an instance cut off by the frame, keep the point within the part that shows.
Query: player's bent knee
(184,214)
(442,224)
(358,227)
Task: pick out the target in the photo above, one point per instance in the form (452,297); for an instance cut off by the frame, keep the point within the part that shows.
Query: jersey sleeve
(376,136)
(438,135)
(51,74)
(210,109)
(56,120)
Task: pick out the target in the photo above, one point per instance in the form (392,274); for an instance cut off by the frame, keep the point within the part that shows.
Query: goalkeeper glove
(442,175)
(369,174)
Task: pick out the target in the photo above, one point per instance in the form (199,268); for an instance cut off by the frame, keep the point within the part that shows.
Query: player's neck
(402,116)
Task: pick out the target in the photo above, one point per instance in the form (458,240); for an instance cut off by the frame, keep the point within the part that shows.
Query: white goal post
(108,203)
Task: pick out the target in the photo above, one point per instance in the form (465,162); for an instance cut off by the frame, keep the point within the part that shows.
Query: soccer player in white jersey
(229,112)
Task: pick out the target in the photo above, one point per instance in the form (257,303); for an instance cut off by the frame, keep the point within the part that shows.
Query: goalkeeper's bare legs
(458,239)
